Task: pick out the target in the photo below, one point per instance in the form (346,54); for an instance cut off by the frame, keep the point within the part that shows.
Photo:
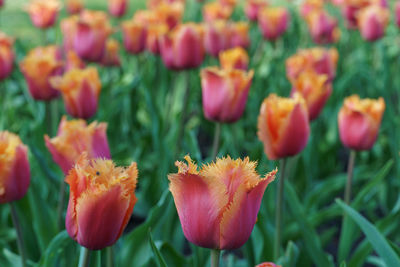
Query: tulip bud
(43,13)
(217,37)
(80,89)
(14,172)
(240,34)
(134,35)
(397,13)
(6,56)
(75,137)
(72,61)
(253,7)
(359,121)
(273,22)
(268,264)
(372,22)
(74,6)
(111,55)
(323,27)
(315,89)
(235,58)
(38,67)
(117,8)
(215,11)
(183,47)
(213,202)
(283,126)
(101,201)
(225,93)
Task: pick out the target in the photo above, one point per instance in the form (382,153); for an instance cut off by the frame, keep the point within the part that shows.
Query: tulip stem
(20,241)
(350,167)
(109,256)
(84,258)
(217,135)
(181,126)
(279,210)
(215,257)
(60,208)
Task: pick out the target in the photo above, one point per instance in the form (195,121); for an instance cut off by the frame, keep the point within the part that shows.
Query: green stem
(60,208)
(20,241)
(279,210)
(181,127)
(51,117)
(350,167)
(84,258)
(109,257)
(215,257)
(217,135)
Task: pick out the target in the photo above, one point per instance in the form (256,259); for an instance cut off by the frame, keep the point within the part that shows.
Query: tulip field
(222,133)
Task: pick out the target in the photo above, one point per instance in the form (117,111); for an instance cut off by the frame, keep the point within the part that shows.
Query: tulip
(372,22)
(397,13)
(359,121)
(38,67)
(68,28)
(235,58)
(154,34)
(229,3)
(153,4)
(6,56)
(215,11)
(252,7)
(224,93)
(101,201)
(74,6)
(14,172)
(315,89)
(323,27)
(268,264)
(75,137)
(111,55)
(1,3)
(218,204)
(216,37)
(240,34)
(43,13)
(273,22)
(117,8)
(92,31)
(183,47)
(72,61)
(310,6)
(134,36)
(170,14)
(283,125)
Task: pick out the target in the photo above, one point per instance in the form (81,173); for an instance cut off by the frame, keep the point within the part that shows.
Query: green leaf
(376,239)
(55,248)
(159,258)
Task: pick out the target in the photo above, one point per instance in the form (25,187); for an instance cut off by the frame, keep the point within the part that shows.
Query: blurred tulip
(6,56)
(1,3)
(111,55)
(80,89)
(72,61)
(359,121)
(372,22)
(235,58)
(134,35)
(182,48)
(224,93)
(315,89)
(38,67)
(101,201)
(75,137)
(268,264)
(43,13)
(92,31)
(74,6)
(273,22)
(310,6)
(252,7)
(323,27)
(154,34)
(397,13)
(214,11)
(117,8)
(68,28)
(14,168)
(217,37)
(170,14)
(240,34)
(218,204)
(283,126)
(229,3)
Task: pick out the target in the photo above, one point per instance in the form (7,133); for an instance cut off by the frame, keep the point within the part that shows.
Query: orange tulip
(117,8)
(6,56)
(74,6)
(134,35)
(215,11)
(80,89)
(75,137)
(273,22)
(72,61)
(111,55)
(43,13)
(252,7)
(14,168)
(323,27)
(359,121)
(101,201)
(170,14)
(283,126)
(218,204)
(235,58)
(38,67)
(224,93)
(372,22)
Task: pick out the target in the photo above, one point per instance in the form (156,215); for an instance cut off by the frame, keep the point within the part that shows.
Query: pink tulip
(43,13)
(273,22)
(217,37)
(6,56)
(117,8)
(323,27)
(372,22)
(134,36)
(240,34)
(252,7)
(397,11)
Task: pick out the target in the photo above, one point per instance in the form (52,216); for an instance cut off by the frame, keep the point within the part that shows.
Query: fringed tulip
(359,121)
(283,126)
(372,22)
(134,36)
(6,56)
(14,168)
(101,201)
(43,13)
(217,37)
(315,89)
(273,22)
(224,93)
(111,55)
(240,34)
(268,264)
(215,11)
(170,14)
(183,47)
(218,204)
(117,8)
(323,27)
(74,6)
(72,61)
(80,89)
(38,67)
(253,7)
(75,137)
(235,58)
